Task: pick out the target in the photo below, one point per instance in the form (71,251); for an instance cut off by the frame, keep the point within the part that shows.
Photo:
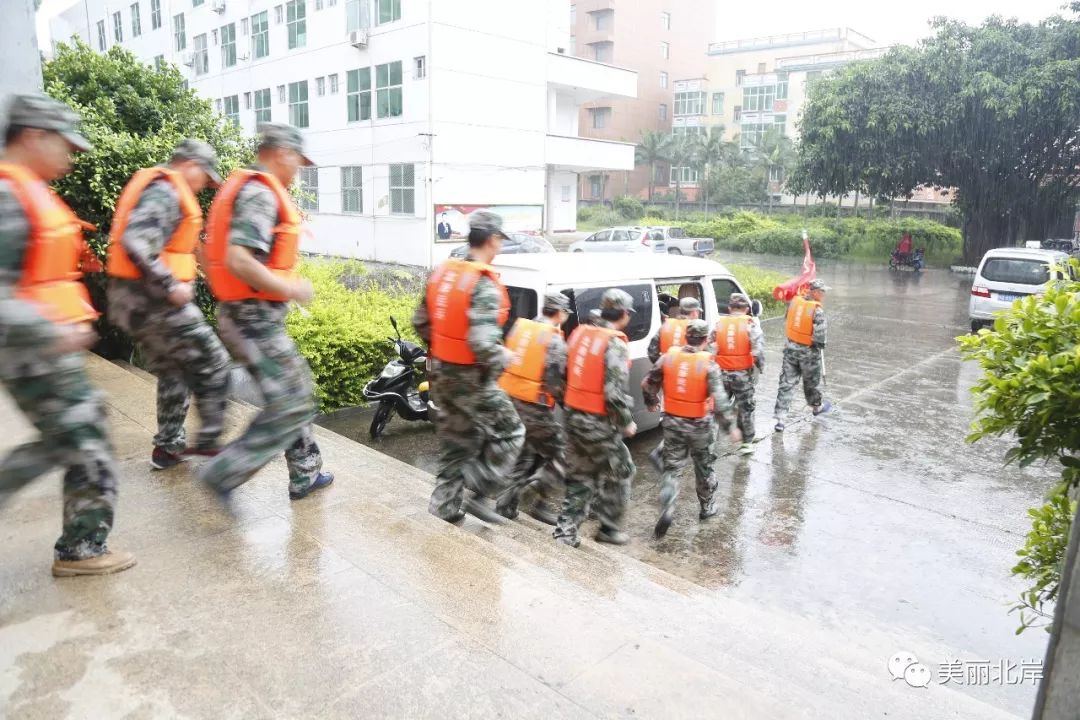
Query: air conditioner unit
(358,39)
(188,59)
(218,6)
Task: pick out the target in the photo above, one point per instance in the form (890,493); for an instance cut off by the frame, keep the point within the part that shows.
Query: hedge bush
(629,207)
(343,333)
(759,285)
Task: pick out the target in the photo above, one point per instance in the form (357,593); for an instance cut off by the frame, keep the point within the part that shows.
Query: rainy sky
(886,23)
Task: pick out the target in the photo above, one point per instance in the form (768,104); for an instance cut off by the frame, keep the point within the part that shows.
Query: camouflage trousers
(544,451)
(254,332)
(480,436)
(599,471)
(181,349)
(54,393)
(740,386)
(688,439)
(799,362)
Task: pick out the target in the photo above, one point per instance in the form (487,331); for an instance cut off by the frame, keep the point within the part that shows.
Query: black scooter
(400,387)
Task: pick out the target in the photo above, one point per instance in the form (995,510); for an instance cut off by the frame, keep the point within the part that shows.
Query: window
(318,4)
(585,300)
(136,21)
(761,68)
(603,20)
(684,175)
(228,45)
(812,75)
(155,14)
(387,11)
(117,27)
(214,34)
(600,117)
(690,103)
(596,186)
(1016,270)
(663,111)
(298,107)
(776,174)
(260,35)
(356,15)
(101,35)
(307,181)
(197,3)
(663,79)
(603,51)
(245,28)
(738,113)
(603,235)
(780,123)
(665,50)
(231,109)
(262,106)
(718,103)
(523,303)
(320,86)
(740,75)
(179,35)
(759,99)
(402,189)
(722,289)
(781,86)
(388,89)
(358,94)
(420,67)
(217,105)
(333,84)
(751,134)
(297,17)
(665,20)
(279,15)
(352,197)
(202,55)
(281,93)
(247,101)
(573,17)
(566,193)
(684,130)
(159,62)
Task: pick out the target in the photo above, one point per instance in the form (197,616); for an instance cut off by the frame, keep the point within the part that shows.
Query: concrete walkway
(356,603)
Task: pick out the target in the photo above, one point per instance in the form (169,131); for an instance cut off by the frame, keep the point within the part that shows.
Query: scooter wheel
(382,416)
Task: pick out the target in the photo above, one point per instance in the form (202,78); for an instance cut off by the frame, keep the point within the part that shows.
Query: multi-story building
(661,40)
(416,112)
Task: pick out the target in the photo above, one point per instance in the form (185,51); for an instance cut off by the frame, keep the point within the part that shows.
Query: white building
(415,111)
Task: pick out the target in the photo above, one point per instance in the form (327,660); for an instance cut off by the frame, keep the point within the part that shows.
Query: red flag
(795,285)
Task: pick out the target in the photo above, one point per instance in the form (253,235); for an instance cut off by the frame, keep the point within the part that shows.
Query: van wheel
(975,325)
(579,250)
(674,251)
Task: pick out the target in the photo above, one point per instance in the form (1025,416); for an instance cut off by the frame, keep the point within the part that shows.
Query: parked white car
(678,242)
(1008,274)
(621,239)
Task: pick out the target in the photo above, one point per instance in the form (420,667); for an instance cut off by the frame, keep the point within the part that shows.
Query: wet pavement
(878,514)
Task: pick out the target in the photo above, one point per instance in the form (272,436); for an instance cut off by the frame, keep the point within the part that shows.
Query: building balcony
(578,154)
(771,42)
(589,80)
(588,6)
(827,61)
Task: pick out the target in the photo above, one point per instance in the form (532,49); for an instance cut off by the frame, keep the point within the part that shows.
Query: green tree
(990,110)
(134,115)
(707,151)
(679,154)
(774,153)
(650,151)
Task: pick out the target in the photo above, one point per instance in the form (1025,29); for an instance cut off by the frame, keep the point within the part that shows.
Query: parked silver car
(518,243)
(622,239)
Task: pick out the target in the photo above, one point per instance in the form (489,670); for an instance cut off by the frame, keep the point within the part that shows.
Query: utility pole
(19,51)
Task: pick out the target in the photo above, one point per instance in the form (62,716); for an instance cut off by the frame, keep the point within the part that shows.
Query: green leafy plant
(1043,554)
(629,207)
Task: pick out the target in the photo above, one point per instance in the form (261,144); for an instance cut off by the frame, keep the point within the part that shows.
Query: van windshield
(1020,271)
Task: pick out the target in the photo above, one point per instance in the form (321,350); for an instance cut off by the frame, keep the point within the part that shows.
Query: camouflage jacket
(653,384)
(255,215)
(151,225)
(21,325)
(485,332)
(555,366)
(620,406)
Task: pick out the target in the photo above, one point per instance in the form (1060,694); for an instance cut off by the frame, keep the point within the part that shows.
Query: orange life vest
(733,351)
(449,297)
(800,320)
(179,252)
(672,334)
(585,368)
(524,378)
(686,387)
(284,254)
(54,250)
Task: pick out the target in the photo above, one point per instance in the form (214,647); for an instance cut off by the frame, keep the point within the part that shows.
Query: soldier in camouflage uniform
(599,469)
(803,357)
(41,362)
(545,440)
(740,384)
(253,329)
(157,310)
(688,308)
(689,437)
(480,433)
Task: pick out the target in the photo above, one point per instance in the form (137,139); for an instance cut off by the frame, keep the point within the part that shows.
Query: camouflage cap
(689,304)
(616,299)
(284,136)
(557,301)
(738,300)
(819,285)
(201,153)
(488,222)
(45,113)
(697,330)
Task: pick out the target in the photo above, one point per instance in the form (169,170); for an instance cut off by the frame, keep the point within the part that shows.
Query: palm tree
(679,154)
(651,150)
(708,148)
(775,151)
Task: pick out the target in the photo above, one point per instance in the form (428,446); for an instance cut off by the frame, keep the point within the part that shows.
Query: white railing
(804,62)
(803,38)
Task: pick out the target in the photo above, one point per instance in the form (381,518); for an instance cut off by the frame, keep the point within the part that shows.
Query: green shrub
(1043,554)
(759,285)
(652,220)
(604,217)
(585,212)
(657,211)
(629,207)
(343,333)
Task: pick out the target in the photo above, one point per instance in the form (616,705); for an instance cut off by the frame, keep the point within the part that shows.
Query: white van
(650,280)
(1007,274)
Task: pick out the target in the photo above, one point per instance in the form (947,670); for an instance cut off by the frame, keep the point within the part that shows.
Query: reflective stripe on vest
(800,320)
(449,298)
(178,255)
(284,254)
(524,377)
(50,275)
(586,368)
(686,386)
(733,351)
(672,334)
